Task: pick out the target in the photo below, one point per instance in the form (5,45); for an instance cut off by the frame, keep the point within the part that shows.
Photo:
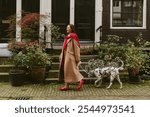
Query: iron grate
(22,98)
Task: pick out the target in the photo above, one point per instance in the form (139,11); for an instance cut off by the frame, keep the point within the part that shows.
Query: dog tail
(122,65)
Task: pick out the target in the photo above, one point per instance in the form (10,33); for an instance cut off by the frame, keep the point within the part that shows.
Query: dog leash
(83,69)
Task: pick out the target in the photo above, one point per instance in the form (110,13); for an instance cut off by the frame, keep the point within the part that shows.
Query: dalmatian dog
(111,71)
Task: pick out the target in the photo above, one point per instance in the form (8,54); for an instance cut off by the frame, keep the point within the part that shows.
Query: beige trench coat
(69,58)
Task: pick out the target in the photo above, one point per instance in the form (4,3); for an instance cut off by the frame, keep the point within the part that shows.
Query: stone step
(55,65)
(84,58)
(54,73)
(48,80)
(5,60)
(6,68)
(85,49)
(4,77)
(89,80)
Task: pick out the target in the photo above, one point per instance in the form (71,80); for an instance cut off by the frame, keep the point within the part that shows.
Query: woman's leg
(79,87)
(65,87)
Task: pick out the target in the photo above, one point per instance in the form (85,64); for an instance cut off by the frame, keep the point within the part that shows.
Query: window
(115,3)
(29,6)
(128,13)
(7,8)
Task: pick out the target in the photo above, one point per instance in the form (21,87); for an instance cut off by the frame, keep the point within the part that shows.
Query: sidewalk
(50,92)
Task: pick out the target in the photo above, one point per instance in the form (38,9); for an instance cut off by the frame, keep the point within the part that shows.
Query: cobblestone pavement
(50,92)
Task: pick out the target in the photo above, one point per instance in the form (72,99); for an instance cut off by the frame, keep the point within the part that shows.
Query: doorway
(85,19)
(61,14)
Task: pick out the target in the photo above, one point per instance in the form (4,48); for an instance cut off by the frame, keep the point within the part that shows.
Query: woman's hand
(59,58)
(78,64)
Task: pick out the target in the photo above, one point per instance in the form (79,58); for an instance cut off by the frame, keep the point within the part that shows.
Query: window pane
(29,6)
(127,13)
(7,8)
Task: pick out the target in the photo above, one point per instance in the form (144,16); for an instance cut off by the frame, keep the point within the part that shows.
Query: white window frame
(144,17)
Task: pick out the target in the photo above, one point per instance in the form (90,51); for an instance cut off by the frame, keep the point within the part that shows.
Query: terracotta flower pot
(134,75)
(38,74)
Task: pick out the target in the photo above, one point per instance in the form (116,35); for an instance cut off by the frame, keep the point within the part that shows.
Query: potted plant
(38,60)
(145,70)
(19,74)
(20,62)
(135,58)
(30,56)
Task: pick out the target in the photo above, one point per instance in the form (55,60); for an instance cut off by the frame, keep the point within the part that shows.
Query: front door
(60,14)
(85,19)
(7,8)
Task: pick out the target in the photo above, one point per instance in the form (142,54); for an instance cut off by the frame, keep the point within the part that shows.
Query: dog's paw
(121,85)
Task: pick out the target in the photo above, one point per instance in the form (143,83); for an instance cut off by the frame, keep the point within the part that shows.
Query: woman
(70,60)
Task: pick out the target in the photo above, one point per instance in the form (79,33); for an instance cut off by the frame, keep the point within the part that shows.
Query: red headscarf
(72,36)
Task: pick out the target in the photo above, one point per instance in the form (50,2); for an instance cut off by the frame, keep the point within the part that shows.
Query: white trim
(98,18)
(111,13)
(18,17)
(144,17)
(72,11)
(46,9)
(4,52)
(144,13)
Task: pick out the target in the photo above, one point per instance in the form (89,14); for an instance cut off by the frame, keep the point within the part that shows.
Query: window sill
(127,27)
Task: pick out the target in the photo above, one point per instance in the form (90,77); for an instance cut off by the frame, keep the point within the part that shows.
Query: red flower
(29,19)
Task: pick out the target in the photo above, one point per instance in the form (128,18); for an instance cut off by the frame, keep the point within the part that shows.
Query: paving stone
(50,92)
